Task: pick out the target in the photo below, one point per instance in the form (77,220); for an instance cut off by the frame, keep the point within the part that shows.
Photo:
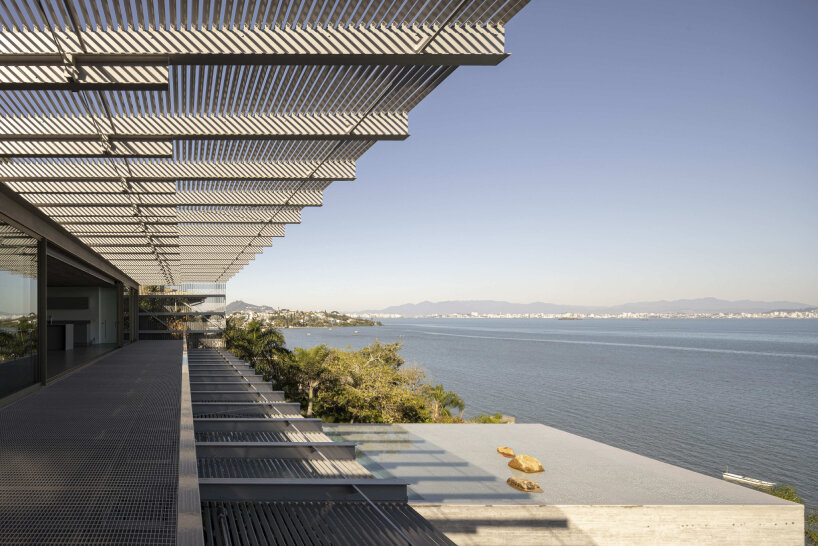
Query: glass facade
(186,289)
(165,312)
(18,310)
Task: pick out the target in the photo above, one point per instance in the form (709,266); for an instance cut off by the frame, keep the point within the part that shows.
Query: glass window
(18,310)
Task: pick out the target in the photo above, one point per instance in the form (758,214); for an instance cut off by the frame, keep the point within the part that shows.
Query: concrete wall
(779,525)
(101,310)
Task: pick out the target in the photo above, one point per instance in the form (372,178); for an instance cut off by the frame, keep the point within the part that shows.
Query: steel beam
(212,198)
(77,77)
(204,386)
(159,170)
(253,424)
(191,235)
(122,211)
(89,148)
(242,215)
(236,396)
(395,44)
(316,126)
(289,489)
(277,450)
(286,214)
(227,376)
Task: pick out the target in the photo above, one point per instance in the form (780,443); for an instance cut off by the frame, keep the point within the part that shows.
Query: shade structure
(178,139)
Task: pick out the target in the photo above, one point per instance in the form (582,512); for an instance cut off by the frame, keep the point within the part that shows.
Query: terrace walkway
(93,458)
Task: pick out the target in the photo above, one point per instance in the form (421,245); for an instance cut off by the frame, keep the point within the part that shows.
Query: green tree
(371,385)
(387,354)
(263,347)
(232,332)
(311,371)
(371,389)
(811,525)
(787,492)
(259,343)
(487,419)
(441,402)
(18,337)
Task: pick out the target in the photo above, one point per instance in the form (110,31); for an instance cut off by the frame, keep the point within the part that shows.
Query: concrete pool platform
(593,493)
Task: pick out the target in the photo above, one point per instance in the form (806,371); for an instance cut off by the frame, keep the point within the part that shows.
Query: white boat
(745,480)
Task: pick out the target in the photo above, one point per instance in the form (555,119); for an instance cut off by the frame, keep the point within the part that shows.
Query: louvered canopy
(177,138)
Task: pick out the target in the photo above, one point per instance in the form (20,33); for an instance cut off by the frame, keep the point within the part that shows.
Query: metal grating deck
(278,468)
(276,478)
(93,458)
(313,523)
(247,412)
(261,437)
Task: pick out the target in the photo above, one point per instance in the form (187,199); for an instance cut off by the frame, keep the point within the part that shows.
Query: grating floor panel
(312,523)
(93,458)
(249,412)
(261,437)
(279,468)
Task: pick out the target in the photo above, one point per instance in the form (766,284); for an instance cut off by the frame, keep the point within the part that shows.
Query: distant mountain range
(238,305)
(702,305)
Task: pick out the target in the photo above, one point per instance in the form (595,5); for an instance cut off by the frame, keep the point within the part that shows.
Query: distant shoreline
(329,327)
(809,315)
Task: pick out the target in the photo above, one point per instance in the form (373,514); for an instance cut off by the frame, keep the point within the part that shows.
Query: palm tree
(256,343)
(443,401)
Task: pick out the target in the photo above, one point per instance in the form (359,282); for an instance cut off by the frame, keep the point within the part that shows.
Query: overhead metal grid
(159,130)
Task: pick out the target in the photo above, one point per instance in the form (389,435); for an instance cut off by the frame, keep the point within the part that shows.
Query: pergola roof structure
(177,138)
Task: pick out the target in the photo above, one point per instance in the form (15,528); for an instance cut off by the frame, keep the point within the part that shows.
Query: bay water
(698,393)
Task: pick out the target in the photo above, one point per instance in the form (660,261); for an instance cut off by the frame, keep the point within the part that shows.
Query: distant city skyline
(634,151)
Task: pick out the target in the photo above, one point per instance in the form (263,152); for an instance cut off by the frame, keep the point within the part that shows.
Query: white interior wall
(101,310)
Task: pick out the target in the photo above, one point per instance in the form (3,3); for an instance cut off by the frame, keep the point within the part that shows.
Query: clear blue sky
(626,151)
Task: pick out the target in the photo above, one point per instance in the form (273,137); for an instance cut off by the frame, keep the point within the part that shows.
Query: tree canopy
(369,385)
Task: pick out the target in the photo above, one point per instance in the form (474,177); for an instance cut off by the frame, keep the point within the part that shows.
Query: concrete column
(120,315)
(134,303)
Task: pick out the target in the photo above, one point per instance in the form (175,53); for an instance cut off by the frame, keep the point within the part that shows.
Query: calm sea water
(700,394)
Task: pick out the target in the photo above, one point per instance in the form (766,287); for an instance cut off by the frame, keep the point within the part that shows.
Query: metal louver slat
(191,130)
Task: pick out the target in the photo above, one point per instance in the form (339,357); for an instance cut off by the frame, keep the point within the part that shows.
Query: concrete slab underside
(93,458)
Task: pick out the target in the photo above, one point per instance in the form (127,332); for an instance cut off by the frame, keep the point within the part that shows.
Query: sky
(625,151)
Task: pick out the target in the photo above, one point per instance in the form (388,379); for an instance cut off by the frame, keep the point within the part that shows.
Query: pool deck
(460,464)
(593,493)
